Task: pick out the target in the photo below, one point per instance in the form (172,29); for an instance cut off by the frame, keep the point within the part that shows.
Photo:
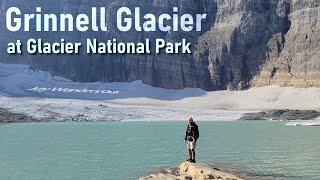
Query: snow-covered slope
(42,95)
(19,80)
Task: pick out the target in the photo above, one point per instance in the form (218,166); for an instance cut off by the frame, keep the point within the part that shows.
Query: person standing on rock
(192,135)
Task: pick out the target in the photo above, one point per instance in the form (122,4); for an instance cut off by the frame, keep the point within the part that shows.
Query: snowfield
(62,99)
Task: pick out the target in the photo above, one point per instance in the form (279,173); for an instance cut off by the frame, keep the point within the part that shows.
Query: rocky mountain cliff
(293,58)
(243,43)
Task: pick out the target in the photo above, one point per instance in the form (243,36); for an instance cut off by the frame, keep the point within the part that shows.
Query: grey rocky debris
(10,117)
(285,114)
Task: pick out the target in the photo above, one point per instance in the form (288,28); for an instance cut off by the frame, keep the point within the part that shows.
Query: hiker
(192,135)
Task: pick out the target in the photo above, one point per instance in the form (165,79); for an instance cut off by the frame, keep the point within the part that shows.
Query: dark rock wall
(168,71)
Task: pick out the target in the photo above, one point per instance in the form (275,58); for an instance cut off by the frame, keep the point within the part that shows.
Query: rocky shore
(6,116)
(285,115)
(10,117)
(190,171)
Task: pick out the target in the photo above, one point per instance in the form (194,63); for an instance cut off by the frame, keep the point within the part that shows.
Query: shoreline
(7,117)
(290,116)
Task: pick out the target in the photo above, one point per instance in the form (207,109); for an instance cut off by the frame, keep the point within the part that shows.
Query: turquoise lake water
(127,150)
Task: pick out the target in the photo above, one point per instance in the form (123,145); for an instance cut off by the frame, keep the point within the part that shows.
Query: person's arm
(196,133)
(185,137)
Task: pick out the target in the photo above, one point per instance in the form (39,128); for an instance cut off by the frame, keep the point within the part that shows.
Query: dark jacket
(193,131)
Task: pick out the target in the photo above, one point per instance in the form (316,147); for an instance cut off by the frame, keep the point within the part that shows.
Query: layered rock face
(235,46)
(243,43)
(294,58)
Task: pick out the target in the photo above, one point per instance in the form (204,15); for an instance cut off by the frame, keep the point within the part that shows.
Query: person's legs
(190,154)
(193,150)
(193,155)
(189,151)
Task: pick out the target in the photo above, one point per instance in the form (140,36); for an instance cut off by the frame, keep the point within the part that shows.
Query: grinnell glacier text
(127,20)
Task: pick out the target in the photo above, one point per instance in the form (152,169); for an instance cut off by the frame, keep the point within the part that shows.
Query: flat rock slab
(192,171)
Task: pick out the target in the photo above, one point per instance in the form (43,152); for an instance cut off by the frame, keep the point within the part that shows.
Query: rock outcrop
(191,171)
(244,43)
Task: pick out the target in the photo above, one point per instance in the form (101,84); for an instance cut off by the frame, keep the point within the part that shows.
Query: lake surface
(127,150)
